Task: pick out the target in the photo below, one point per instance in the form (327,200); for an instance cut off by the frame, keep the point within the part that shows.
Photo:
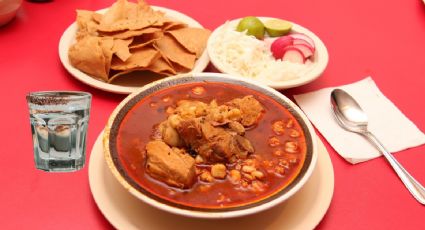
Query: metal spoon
(351,117)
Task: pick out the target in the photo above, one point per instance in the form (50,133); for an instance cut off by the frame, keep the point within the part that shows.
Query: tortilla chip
(140,45)
(157,18)
(125,15)
(144,39)
(164,57)
(87,55)
(115,13)
(120,48)
(130,33)
(120,73)
(173,25)
(192,39)
(141,57)
(107,45)
(161,66)
(86,24)
(97,17)
(173,51)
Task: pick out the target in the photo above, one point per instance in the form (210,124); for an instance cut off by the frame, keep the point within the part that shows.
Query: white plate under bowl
(124,211)
(319,61)
(128,85)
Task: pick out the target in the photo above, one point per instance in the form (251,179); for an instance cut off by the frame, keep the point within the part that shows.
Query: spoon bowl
(348,112)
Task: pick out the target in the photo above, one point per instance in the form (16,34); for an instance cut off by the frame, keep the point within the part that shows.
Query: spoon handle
(414,187)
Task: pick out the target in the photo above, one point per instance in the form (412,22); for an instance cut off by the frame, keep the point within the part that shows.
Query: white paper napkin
(395,131)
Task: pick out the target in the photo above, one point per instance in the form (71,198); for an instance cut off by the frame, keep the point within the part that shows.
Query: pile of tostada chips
(134,37)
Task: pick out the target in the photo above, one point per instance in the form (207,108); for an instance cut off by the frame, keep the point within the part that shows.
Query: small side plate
(319,61)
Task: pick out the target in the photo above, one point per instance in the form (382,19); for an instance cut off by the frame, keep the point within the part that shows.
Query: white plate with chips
(129,84)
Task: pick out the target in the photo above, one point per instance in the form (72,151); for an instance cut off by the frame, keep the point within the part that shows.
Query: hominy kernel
(290,124)
(278,127)
(198,90)
(257,174)
(169,110)
(174,120)
(204,187)
(248,169)
(152,104)
(284,163)
(278,152)
(235,175)
(199,159)
(291,147)
(234,114)
(293,160)
(218,171)
(274,141)
(280,170)
(166,99)
(248,176)
(206,177)
(268,164)
(258,186)
(249,162)
(221,198)
(294,133)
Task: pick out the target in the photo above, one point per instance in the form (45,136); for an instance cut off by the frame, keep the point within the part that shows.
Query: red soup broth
(137,127)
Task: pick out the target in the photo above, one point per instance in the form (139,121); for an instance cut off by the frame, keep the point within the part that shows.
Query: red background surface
(384,39)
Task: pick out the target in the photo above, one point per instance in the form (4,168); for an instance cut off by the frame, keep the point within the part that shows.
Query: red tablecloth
(384,39)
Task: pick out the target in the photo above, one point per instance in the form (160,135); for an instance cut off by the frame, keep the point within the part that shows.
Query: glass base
(59,165)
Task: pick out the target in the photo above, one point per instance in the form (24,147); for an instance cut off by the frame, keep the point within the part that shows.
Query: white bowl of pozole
(209,145)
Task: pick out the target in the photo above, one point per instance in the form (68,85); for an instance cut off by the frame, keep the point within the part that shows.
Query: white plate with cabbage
(277,56)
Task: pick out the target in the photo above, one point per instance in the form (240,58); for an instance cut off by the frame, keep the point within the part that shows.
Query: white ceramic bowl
(319,61)
(117,169)
(8,10)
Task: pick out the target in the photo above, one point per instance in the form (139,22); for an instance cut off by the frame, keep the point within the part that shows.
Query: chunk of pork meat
(191,109)
(236,127)
(249,106)
(214,144)
(172,166)
(169,134)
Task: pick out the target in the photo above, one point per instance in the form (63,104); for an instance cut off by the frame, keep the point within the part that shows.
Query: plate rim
(68,37)
(316,71)
(97,158)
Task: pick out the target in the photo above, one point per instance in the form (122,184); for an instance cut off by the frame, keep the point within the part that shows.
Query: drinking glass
(59,121)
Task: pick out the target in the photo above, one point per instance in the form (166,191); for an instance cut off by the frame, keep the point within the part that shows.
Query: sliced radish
(298,41)
(305,49)
(279,45)
(303,37)
(293,54)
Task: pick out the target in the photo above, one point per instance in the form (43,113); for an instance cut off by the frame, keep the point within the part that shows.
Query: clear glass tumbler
(59,121)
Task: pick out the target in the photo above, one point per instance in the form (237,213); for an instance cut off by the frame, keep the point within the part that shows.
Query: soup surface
(275,159)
